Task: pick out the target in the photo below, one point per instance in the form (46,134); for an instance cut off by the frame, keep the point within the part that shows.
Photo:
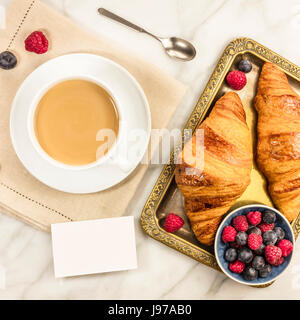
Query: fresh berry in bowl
(273,254)
(254,241)
(265,271)
(240,223)
(254,217)
(241,238)
(270,237)
(269,217)
(250,273)
(254,244)
(237,266)
(229,234)
(230,255)
(258,263)
(286,247)
(245,255)
(279,232)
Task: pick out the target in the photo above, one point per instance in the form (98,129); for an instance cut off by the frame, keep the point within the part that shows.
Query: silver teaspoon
(174,47)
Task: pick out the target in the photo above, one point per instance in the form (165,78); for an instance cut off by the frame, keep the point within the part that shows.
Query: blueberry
(241,238)
(260,250)
(7,60)
(269,237)
(245,66)
(230,255)
(258,262)
(279,233)
(265,271)
(254,229)
(245,255)
(269,217)
(250,273)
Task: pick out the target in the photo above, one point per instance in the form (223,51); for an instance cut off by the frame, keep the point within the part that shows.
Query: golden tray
(166,197)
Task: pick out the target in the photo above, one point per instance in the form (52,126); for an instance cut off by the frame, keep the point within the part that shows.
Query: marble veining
(26,267)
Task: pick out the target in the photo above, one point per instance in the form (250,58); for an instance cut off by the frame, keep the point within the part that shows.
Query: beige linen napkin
(21,195)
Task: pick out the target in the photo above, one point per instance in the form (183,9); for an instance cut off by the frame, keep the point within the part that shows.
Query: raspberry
(237,266)
(240,223)
(279,262)
(229,234)
(273,254)
(266,227)
(254,218)
(173,223)
(36,42)
(286,247)
(236,79)
(254,241)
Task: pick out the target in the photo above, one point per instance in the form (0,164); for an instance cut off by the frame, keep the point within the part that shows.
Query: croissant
(278,147)
(210,191)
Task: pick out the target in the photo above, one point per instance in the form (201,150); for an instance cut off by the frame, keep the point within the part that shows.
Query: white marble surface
(163,273)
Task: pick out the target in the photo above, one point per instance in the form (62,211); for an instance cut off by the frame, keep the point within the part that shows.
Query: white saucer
(129,96)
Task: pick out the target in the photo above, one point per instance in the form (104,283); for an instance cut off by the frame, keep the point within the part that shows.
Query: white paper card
(93,246)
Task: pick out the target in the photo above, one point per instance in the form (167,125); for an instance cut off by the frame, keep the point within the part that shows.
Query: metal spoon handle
(174,47)
(127,23)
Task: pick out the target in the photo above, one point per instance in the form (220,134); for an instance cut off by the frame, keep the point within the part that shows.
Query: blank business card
(93,246)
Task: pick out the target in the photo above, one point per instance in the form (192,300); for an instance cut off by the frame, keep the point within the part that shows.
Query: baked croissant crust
(210,191)
(278,146)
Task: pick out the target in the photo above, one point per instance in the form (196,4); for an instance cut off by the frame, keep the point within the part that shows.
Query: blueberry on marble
(7,60)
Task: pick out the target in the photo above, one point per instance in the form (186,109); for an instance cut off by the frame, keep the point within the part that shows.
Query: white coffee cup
(31,119)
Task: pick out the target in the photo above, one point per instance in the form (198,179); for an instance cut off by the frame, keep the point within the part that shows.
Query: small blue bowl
(220,246)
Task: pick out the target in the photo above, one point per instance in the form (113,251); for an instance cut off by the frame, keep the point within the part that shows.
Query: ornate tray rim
(149,222)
